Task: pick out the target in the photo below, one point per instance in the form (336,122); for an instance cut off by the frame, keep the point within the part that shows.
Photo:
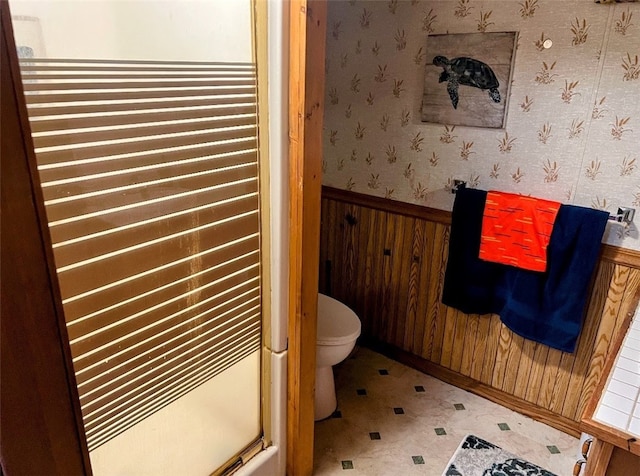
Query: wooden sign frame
(468,77)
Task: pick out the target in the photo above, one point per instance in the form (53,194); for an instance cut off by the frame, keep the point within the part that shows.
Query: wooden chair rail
(625,256)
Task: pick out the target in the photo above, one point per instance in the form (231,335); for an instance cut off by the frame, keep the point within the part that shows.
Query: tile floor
(393,420)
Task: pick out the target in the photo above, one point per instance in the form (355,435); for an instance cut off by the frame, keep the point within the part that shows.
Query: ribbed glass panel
(150,177)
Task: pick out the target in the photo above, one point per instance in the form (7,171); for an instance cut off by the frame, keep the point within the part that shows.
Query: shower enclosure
(145,122)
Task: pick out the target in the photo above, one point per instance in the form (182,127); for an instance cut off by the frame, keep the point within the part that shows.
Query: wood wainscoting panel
(432,286)
(622,289)
(386,260)
(586,341)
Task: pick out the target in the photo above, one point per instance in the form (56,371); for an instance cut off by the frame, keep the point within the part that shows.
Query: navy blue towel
(546,307)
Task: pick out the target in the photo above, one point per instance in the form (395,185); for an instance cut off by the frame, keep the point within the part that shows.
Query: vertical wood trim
(308,20)
(41,421)
(599,457)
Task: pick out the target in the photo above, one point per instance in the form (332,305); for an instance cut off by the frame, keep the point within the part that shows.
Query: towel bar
(457,185)
(624,215)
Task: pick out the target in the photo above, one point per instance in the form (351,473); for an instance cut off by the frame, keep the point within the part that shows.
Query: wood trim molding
(308,20)
(387,205)
(623,256)
(599,457)
(616,254)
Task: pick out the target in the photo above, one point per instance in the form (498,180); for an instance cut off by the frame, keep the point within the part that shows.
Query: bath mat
(477,457)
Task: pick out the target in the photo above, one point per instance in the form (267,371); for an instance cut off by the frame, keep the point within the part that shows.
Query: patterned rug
(477,457)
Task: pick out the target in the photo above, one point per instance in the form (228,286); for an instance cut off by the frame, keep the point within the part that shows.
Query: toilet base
(325,395)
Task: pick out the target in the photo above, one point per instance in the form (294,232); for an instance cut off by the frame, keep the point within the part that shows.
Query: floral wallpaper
(573,122)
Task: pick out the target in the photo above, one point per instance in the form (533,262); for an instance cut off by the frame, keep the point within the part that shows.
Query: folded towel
(516,230)
(545,307)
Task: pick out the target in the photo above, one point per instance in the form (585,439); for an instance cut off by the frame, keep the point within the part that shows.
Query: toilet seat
(337,324)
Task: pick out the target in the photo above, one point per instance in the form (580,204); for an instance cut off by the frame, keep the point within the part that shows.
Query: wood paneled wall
(387,259)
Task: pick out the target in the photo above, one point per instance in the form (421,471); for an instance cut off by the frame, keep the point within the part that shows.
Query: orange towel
(516,230)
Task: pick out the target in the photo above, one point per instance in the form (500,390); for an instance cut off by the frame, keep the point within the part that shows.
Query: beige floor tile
(381,432)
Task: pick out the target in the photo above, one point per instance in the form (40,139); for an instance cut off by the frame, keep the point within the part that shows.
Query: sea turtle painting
(468,72)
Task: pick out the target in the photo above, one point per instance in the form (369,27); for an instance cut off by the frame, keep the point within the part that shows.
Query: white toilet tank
(337,324)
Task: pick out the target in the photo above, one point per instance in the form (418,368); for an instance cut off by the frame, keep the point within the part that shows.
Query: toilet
(338,329)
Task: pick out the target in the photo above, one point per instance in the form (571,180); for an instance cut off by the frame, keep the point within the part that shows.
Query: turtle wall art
(468,78)
(468,72)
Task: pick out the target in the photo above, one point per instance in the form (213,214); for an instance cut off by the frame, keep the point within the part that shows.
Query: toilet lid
(337,324)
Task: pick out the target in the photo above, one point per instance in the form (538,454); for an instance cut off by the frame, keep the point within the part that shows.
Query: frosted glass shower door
(144,121)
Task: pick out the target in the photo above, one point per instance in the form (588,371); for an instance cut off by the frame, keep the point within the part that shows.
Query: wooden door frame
(42,429)
(307,33)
